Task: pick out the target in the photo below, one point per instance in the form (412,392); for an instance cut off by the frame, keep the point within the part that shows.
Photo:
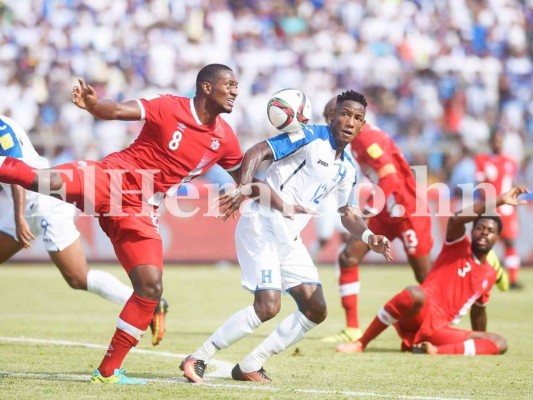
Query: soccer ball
(289,110)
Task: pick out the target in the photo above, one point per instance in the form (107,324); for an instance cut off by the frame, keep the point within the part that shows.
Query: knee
(76,281)
(56,182)
(315,312)
(501,343)
(267,309)
(347,260)
(149,288)
(77,284)
(418,296)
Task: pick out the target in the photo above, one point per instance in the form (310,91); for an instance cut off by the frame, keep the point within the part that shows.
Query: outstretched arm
(456,224)
(84,96)
(357,227)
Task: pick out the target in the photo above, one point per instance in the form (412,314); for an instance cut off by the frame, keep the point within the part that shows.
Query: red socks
(471,347)
(13,171)
(349,289)
(132,323)
(396,308)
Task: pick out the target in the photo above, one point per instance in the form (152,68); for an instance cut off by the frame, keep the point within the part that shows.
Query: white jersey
(14,142)
(45,215)
(305,171)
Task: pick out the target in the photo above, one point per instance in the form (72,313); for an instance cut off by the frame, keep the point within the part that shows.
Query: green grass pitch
(52,337)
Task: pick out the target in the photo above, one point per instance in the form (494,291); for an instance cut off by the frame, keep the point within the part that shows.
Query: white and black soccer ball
(289,110)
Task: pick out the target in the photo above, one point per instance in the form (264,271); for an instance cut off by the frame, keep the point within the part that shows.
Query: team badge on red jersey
(215,144)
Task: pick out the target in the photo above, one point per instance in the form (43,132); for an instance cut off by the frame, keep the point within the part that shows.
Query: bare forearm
(19,201)
(112,110)
(353,222)
(252,160)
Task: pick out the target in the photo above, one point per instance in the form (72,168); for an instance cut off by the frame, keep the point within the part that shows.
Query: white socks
(236,327)
(291,330)
(107,286)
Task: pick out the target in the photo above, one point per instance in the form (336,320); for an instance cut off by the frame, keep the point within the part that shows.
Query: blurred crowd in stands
(440,74)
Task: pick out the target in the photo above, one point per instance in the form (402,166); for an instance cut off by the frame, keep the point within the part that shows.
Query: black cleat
(193,369)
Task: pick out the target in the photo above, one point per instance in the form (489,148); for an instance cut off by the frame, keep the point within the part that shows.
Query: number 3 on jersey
(176,139)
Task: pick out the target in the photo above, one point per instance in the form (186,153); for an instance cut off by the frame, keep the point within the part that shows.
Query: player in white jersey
(308,166)
(30,214)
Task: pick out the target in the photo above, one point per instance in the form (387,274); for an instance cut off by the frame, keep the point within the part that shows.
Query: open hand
(84,96)
(380,244)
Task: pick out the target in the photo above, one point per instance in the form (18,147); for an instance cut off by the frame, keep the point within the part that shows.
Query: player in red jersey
(382,162)
(500,171)
(461,278)
(180,139)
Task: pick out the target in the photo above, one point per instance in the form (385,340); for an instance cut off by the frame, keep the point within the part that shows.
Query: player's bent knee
(501,342)
(418,295)
(315,311)
(267,310)
(346,260)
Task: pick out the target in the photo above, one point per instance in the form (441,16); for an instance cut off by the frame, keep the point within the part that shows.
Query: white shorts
(46,216)
(328,220)
(268,263)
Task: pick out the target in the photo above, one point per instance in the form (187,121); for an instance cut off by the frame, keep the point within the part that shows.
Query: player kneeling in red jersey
(460,278)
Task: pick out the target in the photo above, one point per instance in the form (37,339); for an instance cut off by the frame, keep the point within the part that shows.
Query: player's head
(496,141)
(485,233)
(216,83)
(329,109)
(348,117)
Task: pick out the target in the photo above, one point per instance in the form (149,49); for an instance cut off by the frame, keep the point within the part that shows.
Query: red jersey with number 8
(177,145)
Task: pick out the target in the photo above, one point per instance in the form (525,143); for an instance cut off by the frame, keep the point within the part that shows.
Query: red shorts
(129,223)
(414,232)
(428,325)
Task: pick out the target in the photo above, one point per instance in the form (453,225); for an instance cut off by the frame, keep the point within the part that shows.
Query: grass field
(51,338)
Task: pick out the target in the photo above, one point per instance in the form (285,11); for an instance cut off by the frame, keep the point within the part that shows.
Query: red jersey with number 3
(457,281)
(175,143)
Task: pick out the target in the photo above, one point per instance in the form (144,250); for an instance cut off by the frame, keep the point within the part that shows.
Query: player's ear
(206,87)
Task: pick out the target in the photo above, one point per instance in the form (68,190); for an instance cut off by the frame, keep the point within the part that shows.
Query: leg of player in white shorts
(54,220)
(269,266)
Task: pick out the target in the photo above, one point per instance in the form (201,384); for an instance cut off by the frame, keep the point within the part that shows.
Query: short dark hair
(352,95)
(209,73)
(495,218)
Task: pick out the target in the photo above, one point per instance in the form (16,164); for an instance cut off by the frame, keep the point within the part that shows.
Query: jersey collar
(332,142)
(193,112)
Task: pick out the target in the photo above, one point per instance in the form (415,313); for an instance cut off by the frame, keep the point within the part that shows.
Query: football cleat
(350,347)
(425,348)
(256,376)
(118,378)
(346,335)
(158,322)
(193,369)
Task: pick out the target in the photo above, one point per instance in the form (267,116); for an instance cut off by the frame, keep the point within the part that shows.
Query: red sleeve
(483,299)
(376,152)
(233,155)
(155,109)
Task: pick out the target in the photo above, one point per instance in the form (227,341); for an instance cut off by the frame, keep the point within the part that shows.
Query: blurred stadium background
(440,76)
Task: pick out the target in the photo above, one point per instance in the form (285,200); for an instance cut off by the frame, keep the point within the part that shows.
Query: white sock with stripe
(236,327)
(108,286)
(291,330)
